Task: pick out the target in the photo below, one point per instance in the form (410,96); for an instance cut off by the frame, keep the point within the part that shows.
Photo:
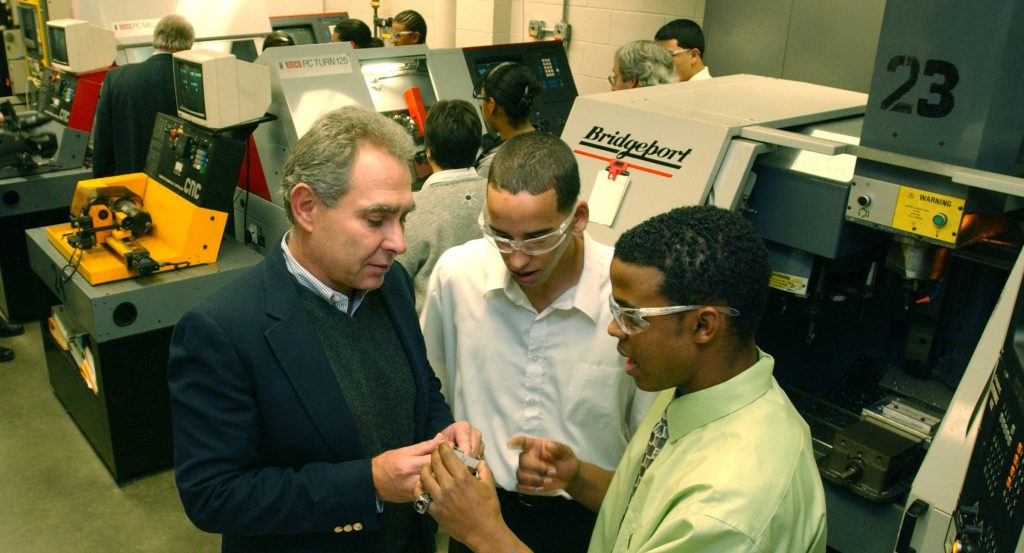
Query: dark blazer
(130,98)
(264,443)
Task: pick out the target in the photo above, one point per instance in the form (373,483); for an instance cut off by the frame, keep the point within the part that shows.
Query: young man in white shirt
(515,329)
(684,39)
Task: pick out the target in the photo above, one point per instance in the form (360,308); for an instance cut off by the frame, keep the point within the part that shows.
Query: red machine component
(87,95)
(417,111)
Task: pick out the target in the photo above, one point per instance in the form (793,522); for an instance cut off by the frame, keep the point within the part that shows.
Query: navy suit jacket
(130,98)
(265,447)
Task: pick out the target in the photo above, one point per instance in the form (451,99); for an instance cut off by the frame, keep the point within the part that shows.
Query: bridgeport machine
(139,251)
(893,227)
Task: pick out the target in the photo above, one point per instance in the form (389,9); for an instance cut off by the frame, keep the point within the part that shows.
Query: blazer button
(348,527)
(357,526)
(337,529)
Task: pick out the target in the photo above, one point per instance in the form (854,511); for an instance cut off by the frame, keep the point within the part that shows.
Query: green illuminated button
(939,219)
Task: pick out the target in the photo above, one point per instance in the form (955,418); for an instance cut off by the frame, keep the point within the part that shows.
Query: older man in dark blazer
(303,405)
(130,98)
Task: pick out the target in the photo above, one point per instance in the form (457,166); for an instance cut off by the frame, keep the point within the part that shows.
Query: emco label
(314,65)
(928,214)
(137,27)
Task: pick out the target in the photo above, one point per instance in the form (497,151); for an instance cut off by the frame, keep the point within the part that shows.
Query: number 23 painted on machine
(945,77)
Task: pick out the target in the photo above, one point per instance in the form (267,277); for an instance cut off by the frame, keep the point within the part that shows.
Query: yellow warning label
(928,214)
(789,283)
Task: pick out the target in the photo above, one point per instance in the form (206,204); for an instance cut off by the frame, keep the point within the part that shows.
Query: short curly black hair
(536,162)
(709,256)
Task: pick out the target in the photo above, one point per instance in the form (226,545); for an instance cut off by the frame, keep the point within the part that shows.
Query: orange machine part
(417,111)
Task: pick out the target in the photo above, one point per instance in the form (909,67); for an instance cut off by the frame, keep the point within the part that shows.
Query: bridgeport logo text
(624,145)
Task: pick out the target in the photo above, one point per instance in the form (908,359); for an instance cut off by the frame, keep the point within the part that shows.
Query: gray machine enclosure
(309,80)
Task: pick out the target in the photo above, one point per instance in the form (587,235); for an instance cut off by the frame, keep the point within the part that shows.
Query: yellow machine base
(182,234)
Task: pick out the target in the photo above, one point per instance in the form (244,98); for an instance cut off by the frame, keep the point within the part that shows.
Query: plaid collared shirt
(340,301)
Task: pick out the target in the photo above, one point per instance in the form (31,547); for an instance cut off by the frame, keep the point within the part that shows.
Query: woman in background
(506,93)
(408,27)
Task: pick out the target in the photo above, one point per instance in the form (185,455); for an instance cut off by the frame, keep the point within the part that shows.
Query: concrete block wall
(599,27)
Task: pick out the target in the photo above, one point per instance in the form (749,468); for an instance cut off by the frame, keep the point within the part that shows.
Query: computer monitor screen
(547,70)
(29,30)
(188,87)
(77,46)
(301,34)
(215,90)
(482,67)
(549,64)
(58,45)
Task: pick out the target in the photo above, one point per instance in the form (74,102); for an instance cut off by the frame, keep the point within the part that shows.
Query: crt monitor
(78,46)
(482,67)
(308,29)
(215,90)
(242,48)
(30,17)
(301,34)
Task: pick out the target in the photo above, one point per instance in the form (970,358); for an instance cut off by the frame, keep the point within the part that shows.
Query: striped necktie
(657,440)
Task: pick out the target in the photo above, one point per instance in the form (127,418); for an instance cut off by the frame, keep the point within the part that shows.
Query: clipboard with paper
(610,187)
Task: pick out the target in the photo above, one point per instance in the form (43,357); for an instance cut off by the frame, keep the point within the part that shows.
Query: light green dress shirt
(736,474)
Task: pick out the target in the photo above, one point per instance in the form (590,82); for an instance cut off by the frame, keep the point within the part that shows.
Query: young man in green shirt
(723,461)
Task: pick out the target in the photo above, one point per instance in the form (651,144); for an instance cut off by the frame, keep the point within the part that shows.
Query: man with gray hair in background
(130,98)
(302,403)
(641,63)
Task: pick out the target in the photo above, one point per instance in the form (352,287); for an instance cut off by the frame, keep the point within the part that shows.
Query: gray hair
(173,33)
(647,62)
(325,156)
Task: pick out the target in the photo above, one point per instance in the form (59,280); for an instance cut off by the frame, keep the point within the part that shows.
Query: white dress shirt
(446,176)
(509,370)
(704,73)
